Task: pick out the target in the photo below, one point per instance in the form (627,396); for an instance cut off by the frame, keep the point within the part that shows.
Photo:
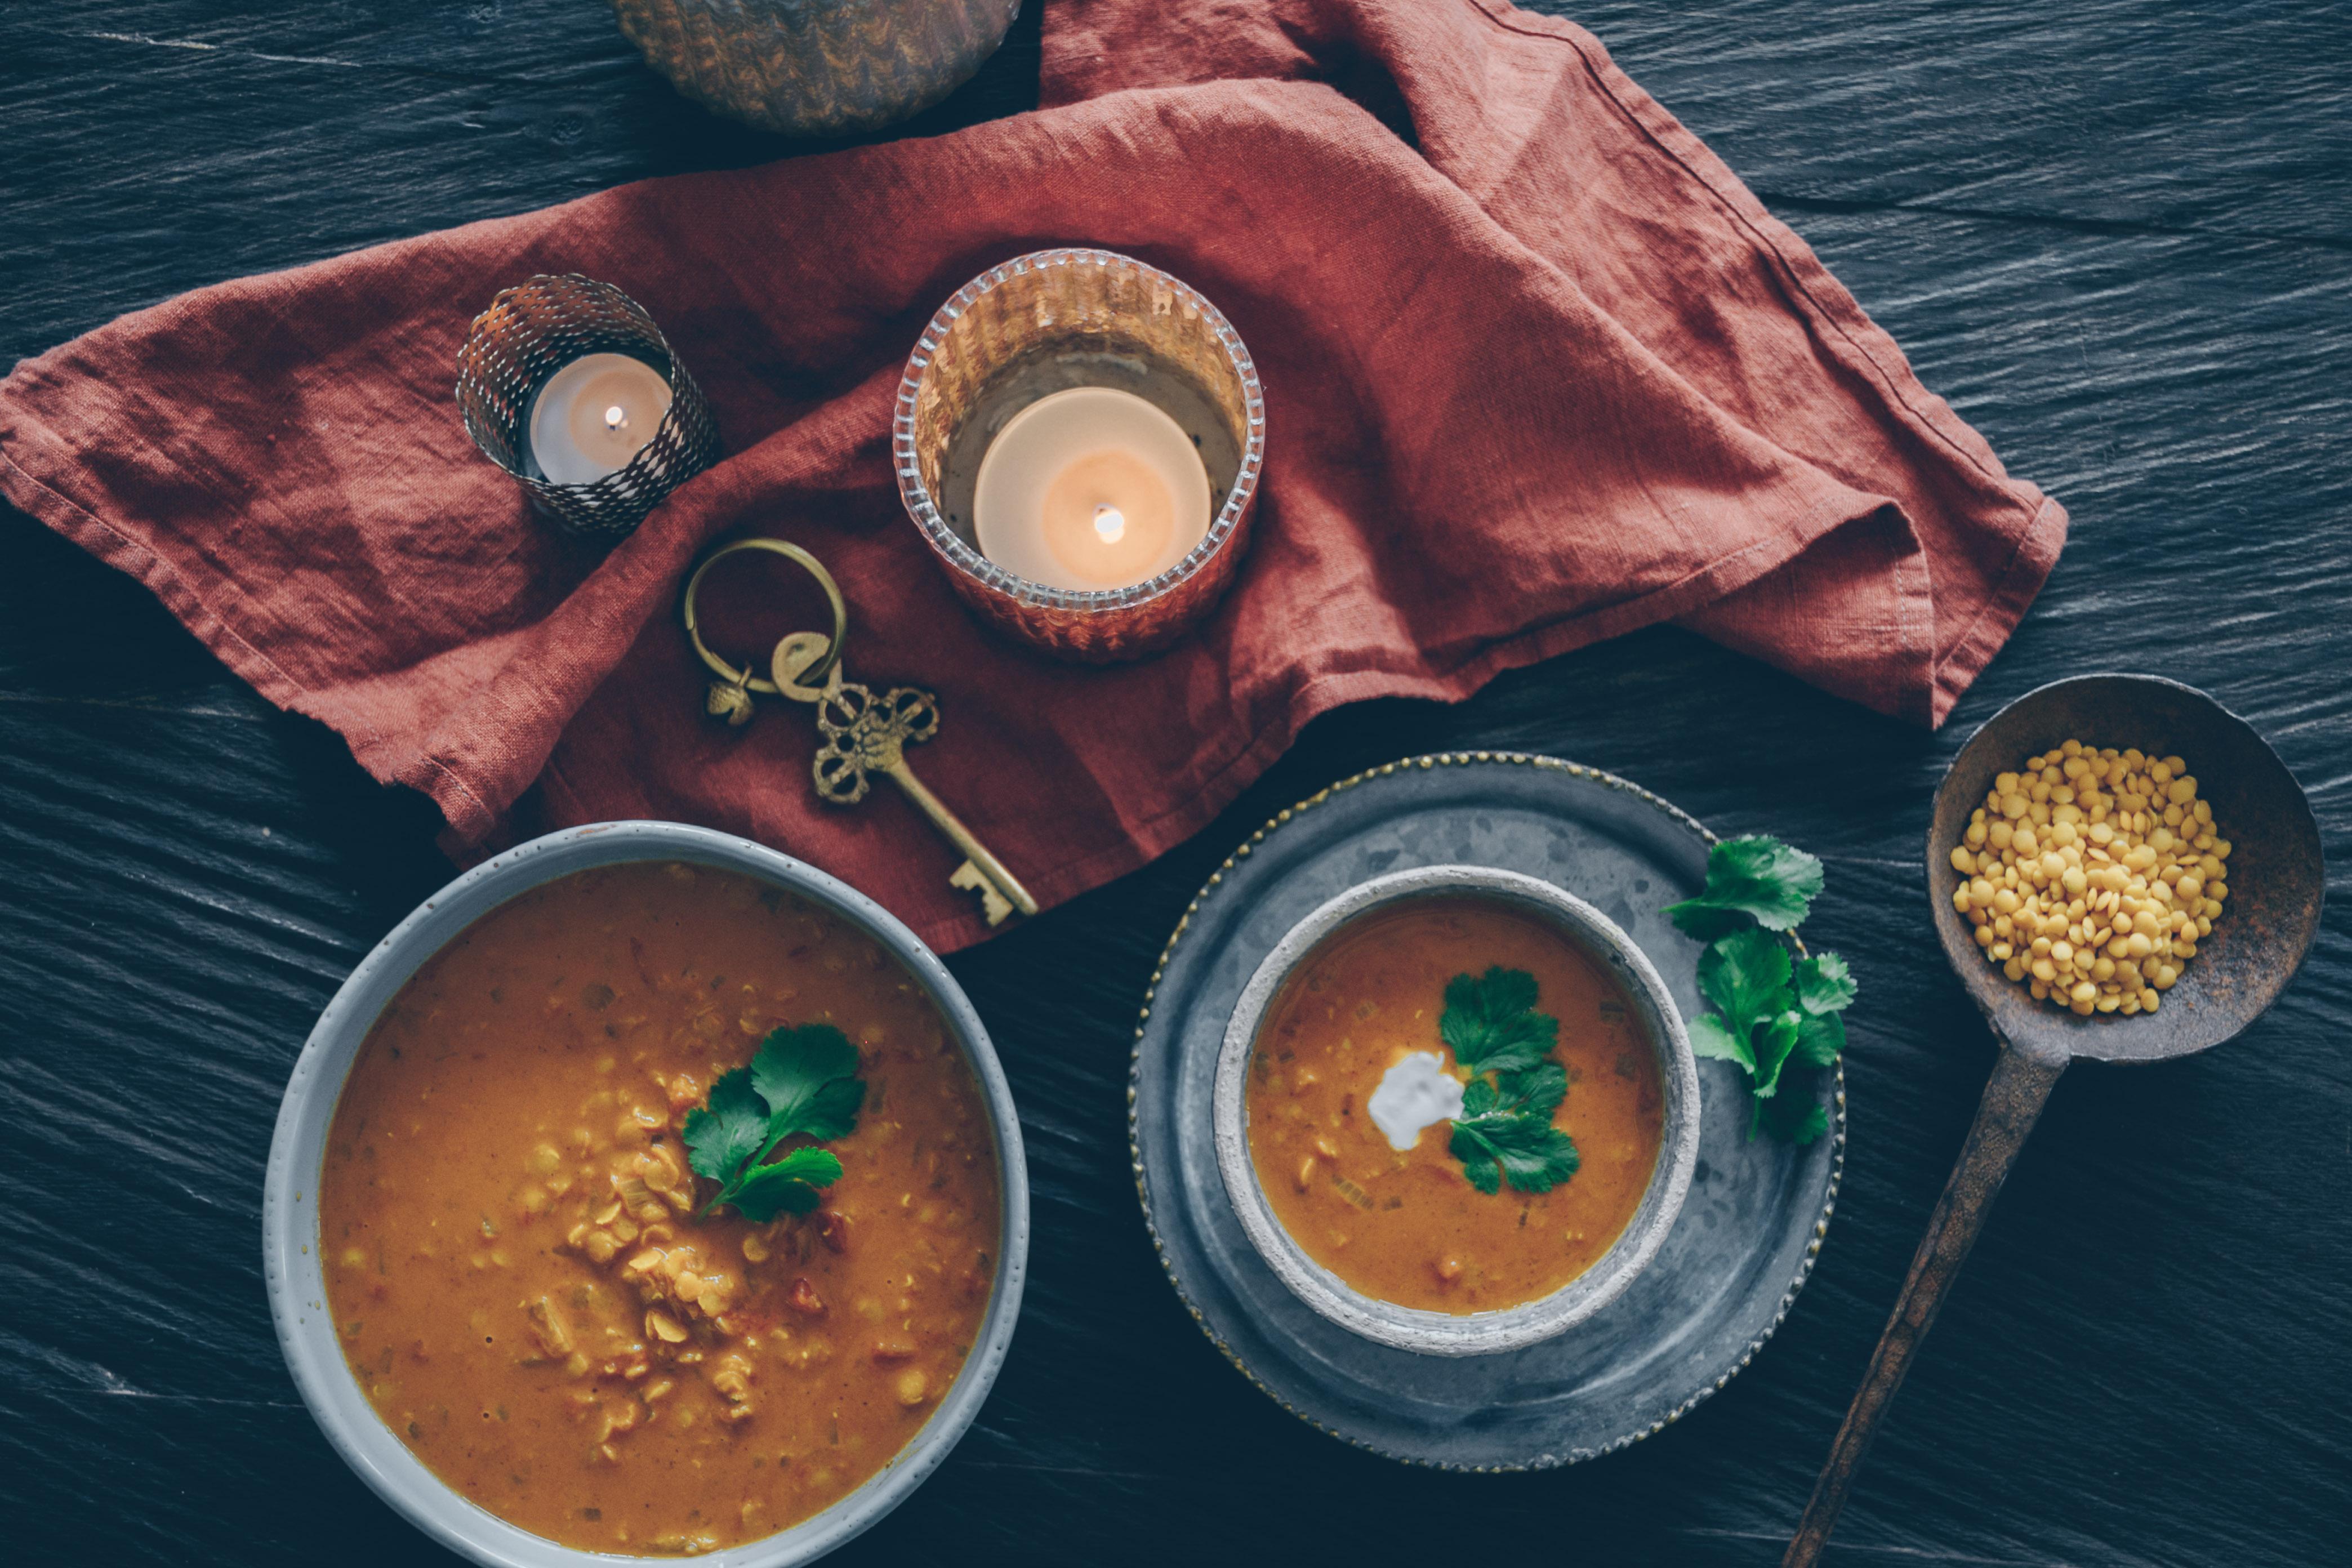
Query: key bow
(864,735)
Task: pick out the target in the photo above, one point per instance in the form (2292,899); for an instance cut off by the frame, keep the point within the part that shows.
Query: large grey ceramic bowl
(1515,1328)
(289,1215)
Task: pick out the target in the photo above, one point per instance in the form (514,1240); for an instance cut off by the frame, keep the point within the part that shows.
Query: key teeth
(993,905)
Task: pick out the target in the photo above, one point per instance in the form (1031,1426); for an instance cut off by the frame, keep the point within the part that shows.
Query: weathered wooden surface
(2117,234)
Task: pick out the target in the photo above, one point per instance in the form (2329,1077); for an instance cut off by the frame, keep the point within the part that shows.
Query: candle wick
(1110,524)
(616,417)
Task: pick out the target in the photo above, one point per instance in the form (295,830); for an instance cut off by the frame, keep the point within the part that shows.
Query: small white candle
(593,415)
(1090,488)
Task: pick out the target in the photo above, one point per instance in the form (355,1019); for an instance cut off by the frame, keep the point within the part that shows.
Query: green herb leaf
(1776,1016)
(1480,1097)
(1536,1092)
(1490,1023)
(1759,877)
(1794,1119)
(1820,1040)
(1824,984)
(809,1077)
(1711,1036)
(1481,1167)
(1505,1131)
(1773,1043)
(732,1130)
(1702,924)
(1527,1151)
(803,1083)
(789,1184)
(1746,975)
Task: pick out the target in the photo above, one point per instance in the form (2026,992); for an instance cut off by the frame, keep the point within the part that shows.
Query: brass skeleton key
(865,734)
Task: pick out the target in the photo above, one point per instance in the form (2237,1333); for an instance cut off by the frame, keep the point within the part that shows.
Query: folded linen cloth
(1539,371)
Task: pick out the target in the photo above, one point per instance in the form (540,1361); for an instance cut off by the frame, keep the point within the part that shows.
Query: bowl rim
(964,561)
(1529,1322)
(293,1259)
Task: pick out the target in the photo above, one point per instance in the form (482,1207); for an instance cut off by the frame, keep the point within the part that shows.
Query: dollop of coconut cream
(1414,1093)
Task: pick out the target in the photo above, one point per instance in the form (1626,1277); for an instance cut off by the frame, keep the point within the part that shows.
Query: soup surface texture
(1405,1225)
(508,1220)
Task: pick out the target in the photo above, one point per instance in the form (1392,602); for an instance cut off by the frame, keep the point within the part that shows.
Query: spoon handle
(2012,1103)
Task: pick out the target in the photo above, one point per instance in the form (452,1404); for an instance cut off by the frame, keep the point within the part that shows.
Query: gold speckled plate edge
(1135,1149)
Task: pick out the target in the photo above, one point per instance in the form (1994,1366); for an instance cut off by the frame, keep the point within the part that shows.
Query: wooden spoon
(2276,881)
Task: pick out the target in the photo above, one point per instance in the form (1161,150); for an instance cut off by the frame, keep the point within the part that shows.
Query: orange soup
(512,1248)
(1405,1225)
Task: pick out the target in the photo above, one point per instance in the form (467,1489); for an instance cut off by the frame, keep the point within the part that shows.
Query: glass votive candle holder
(517,347)
(1049,322)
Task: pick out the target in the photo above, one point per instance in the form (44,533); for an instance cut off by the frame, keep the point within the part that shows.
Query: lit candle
(593,415)
(1089,488)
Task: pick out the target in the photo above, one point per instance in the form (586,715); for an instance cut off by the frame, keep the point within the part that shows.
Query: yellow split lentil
(2091,875)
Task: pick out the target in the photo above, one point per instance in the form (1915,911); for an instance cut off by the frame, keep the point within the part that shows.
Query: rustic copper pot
(816,67)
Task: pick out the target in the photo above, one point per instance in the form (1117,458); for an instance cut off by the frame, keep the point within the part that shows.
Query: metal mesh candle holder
(535,329)
(1041,323)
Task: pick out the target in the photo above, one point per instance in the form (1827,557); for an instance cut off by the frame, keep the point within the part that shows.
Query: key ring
(731,698)
(864,733)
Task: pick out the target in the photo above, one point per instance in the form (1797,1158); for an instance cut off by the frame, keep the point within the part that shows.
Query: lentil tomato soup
(506,1216)
(1405,1225)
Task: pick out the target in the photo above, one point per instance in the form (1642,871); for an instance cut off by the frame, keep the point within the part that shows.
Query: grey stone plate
(1729,1269)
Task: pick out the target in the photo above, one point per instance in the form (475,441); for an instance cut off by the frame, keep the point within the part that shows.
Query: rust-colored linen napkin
(1542,374)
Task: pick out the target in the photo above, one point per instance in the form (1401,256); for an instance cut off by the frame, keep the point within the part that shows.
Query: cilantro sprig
(1505,1131)
(1774,1014)
(803,1080)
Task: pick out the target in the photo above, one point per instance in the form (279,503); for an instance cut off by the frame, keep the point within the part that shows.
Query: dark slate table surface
(2115,234)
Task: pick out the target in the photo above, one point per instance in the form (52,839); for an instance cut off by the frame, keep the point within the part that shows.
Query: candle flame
(1110,524)
(616,417)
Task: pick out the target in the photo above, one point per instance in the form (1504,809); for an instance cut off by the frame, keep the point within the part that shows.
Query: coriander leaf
(1824,984)
(1528,1151)
(1795,1119)
(1711,1036)
(1820,1037)
(1505,1131)
(1757,876)
(1746,975)
(1535,1093)
(1702,924)
(1774,1014)
(1480,1168)
(802,1080)
(1773,1042)
(1480,1097)
(1529,1041)
(808,1076)
(789,1184)
(1490,1023)
(1497,994)
(720,1139)
(833,1113)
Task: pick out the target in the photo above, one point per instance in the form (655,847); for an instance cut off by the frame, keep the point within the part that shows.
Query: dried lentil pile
(2092,876)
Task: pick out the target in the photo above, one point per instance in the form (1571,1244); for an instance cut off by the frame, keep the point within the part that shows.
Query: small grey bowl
(289,1210)
(1513,1328)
